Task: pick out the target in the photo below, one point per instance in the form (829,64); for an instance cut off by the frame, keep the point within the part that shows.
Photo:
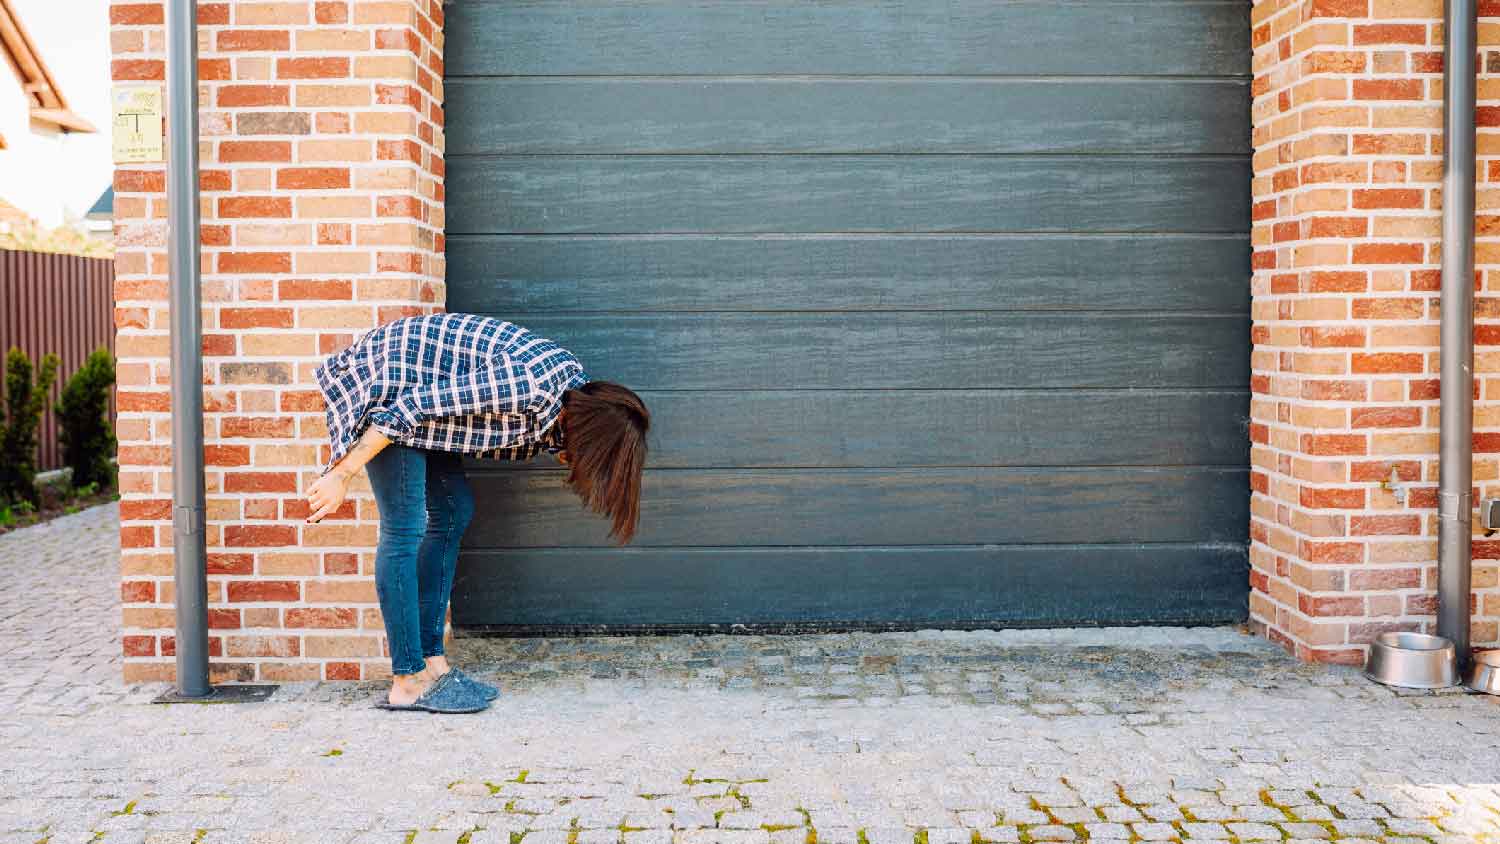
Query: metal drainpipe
(1455,473)
(188,543)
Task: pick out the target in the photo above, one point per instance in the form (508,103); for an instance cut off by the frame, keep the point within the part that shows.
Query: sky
(73,38)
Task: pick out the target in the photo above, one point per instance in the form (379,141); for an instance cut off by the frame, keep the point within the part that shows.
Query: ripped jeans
(425,505)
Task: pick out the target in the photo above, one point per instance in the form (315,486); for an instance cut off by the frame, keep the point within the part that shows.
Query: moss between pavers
(734,791)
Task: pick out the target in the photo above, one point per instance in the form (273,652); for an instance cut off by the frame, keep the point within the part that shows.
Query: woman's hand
(327,494)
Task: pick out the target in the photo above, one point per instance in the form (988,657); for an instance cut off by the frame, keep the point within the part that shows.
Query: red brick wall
(322,212)
(1348,158)
(322,183)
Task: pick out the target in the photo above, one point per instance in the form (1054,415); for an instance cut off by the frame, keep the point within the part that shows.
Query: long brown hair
(604,433)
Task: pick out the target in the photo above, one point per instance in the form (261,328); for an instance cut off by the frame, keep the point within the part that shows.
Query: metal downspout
(1455,473)
(188,542)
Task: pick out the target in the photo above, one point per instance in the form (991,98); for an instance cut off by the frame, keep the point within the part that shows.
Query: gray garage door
(941,308)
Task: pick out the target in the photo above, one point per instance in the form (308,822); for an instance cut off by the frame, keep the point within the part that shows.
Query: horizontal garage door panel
(842,115)
(941,308)
(846,193)
(764,351)
(878,507)
(583,589)
(896,428)
(538,274)
(737,37)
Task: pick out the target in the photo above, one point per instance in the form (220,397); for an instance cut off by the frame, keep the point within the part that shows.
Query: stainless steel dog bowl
(1412,661)
(1484,676)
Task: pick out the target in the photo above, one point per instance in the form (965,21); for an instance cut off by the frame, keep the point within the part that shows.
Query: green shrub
(83,421)
(25,402)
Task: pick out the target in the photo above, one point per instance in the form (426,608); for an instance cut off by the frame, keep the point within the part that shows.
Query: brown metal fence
(58,304)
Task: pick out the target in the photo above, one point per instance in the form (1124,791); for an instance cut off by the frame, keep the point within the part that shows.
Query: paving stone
(1412,826)
(1059,799)
(1260,813)
(1025,816)
(1255,832)
(742,820)
(1078,815)
(691,818)
(1144,795)
(1162,813)
(1213,813)
(1121,814)
(833,818)
(1357,828)
(1306,830)
(889,835)
(1359,809)
(976,818)
(948,731)
(721,836)
(1290,797)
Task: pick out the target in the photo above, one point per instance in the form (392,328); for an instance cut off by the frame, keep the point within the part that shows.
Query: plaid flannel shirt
(450,382)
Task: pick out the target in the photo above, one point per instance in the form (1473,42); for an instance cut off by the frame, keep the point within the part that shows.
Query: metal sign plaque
(137,120)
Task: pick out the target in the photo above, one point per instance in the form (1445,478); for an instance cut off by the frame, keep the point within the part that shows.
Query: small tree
(25,402)
(83,419)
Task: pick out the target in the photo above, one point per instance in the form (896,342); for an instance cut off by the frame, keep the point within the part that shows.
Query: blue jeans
(425,505)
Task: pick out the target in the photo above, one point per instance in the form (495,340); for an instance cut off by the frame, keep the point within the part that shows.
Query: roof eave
(47,105)
(61,119)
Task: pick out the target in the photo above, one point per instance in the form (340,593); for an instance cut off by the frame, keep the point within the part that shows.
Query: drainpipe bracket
(1455,506)
(188,520)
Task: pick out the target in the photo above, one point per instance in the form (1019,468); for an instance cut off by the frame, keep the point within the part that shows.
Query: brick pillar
(1348,157)
(322,217)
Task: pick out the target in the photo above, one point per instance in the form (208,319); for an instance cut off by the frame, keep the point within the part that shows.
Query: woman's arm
(327,493)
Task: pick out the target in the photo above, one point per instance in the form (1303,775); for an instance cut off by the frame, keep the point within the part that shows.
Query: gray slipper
(447,696)
(485,690)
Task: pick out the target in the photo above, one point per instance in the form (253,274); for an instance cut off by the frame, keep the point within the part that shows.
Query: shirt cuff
(394,425)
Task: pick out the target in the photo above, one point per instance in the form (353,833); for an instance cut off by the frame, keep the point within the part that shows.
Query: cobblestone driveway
(931,737)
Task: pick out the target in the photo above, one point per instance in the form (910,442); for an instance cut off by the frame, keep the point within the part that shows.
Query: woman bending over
(405,401)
